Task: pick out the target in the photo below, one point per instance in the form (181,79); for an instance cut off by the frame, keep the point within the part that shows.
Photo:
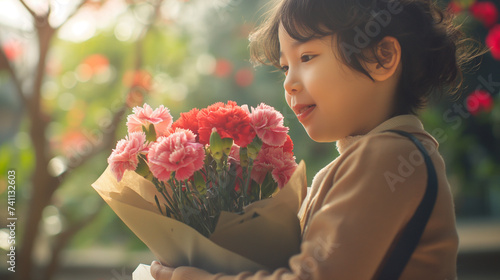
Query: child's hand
(160,272)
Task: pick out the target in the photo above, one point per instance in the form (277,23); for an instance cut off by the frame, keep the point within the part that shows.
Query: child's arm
(357,218)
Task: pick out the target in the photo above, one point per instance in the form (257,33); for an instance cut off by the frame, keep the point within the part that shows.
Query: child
(354,70)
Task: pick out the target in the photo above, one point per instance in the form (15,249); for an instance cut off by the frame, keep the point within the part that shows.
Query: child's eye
(306,58)
(284,68)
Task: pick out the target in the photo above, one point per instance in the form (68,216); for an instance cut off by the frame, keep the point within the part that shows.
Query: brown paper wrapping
(264,237)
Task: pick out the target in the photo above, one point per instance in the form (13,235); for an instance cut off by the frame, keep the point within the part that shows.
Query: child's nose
(292,85)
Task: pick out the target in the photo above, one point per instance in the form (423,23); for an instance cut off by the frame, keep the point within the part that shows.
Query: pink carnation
(160,118)
(125,156)
(268,124)
(177,152)
(273,159)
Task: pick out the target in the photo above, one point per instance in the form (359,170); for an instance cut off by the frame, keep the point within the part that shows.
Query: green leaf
(150,132)
(253,148)
(268,186)
(143,168)
(216,145)
(227,143)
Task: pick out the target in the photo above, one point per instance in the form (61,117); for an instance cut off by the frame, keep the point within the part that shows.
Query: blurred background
(71,70)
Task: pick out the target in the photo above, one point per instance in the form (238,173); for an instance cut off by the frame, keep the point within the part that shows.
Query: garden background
(71,70)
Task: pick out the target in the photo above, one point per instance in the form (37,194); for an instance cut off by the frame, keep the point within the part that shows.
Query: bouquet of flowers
(220,158)
(209,168)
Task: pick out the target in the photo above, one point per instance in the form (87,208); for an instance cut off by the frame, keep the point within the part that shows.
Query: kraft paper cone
(176,244)
(269,231)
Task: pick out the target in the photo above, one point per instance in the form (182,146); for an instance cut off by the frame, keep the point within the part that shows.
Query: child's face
(331,100)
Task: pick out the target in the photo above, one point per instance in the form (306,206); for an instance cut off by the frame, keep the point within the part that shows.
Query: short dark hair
(434,49)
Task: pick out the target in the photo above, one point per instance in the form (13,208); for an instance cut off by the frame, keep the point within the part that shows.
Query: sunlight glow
(144,12)
(66,101)
(78,30)
(52,223)
(60,10)
(178,92)
(105,76)
(205,64)
(40,7)
(57,166)
(13,14)
(171,9)
(124,30)
(4,239)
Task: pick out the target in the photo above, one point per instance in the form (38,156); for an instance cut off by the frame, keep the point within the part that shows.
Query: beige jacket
(358,206)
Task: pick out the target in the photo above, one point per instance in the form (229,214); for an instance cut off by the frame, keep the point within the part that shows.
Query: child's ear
(386,62)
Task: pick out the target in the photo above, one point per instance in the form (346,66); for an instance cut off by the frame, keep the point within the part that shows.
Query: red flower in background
(478,101)
(97,63)
(486,12)
(135,98)
(230,120)
(223,68)
(454,7)
(493,41)
(189,121)
(244,77)
(12,49)
(70,143)
(138,78)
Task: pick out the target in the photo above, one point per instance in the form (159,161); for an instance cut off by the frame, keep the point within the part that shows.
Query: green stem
(175,210)
(158,204)
(247,183)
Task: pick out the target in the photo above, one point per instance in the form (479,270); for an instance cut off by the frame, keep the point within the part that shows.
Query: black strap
(410,236)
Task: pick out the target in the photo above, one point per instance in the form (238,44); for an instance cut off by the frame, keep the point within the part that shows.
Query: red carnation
(493,41)
(189,121)
(486,12)
(479,100)
(230,120)
(288,146)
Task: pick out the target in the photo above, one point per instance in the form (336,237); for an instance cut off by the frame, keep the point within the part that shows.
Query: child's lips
(302,111)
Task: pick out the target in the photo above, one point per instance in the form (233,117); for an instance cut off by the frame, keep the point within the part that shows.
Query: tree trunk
(42,183)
